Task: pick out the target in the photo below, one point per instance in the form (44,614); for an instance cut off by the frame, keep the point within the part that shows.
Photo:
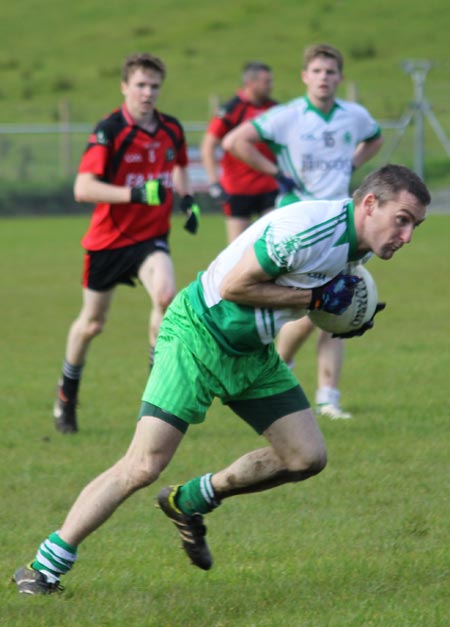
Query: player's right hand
(192,210)
(336,295)
(152,192)
(365,327)
(286,183)
(217,192)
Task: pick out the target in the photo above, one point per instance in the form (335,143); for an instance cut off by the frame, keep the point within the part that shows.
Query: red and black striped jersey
(122,153)
(236,176)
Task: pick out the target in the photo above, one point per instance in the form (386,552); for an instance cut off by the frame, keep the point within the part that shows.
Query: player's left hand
(192,210)
(336,295)
(365,327)
(217,192)
(286,183)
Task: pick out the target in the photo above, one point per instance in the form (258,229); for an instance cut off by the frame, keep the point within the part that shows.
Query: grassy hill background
(50,50)
(56,54)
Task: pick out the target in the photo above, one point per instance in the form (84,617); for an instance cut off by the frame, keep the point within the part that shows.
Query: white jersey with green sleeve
(316,149)
(302,245)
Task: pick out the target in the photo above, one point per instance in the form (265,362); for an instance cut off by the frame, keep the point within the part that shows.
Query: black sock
(71,380)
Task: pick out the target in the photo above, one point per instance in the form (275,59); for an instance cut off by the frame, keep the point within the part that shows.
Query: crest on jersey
(281,251)
(170,154)
(101,138)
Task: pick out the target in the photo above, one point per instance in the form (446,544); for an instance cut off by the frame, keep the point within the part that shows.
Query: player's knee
(92,328)
(140,474)
(307,463)
(165,297)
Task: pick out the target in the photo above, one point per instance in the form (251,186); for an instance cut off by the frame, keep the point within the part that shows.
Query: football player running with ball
(217,340)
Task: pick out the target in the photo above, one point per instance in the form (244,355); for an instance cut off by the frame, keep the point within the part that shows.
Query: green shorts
(191,369)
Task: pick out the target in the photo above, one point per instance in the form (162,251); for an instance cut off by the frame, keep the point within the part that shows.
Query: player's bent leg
(89,323)
(297,452)
(292,336)
(151,449)
(153,445)
(158,277)
(299,443)
(330,357)
(235,226)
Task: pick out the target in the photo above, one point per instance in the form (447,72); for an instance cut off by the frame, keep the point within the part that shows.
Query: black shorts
(103,269)
(244,206)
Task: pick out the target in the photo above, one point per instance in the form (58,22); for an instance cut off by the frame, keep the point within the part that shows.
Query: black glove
(190,207)
(151,193)
(365,327)
(336,295)
(217,192)
(286,183)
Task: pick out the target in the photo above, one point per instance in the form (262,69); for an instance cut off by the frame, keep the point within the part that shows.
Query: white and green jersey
(316,149)
(302,245)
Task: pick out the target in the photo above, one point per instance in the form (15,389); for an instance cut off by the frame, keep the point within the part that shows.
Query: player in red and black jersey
(133,160)
(240,189)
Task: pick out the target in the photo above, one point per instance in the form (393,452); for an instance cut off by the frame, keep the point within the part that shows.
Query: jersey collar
(131,121)
(325,116)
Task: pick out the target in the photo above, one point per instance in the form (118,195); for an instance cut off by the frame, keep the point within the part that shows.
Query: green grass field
(364,544)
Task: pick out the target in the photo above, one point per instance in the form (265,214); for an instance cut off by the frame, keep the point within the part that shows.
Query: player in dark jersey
(133,159)
(241,190)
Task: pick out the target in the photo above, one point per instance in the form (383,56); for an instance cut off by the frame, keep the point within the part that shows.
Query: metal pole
(418,71)
(418,77)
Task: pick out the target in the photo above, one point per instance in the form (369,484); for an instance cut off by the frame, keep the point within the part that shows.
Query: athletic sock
(328,396)
(197,496)
(71,376)
(54,557)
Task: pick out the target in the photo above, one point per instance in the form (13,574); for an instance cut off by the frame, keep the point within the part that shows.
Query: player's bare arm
(365,151)
(248,284)
(240,142)
(208,148)
(181,183)
(89,188)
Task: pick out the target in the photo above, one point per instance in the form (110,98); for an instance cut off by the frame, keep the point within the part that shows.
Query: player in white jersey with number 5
(318,141)
(216,340)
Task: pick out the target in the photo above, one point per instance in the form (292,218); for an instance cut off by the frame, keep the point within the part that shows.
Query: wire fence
(45,154)
(48,153)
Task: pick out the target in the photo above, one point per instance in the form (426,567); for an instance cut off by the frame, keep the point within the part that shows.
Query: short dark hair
(142,60)
(388,181)
(322,50)
(253,68)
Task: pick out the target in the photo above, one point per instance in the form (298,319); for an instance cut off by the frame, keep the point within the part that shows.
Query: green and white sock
(54,557)
(197,496)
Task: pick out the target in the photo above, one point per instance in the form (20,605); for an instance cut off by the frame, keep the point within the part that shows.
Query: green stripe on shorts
(148,409)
